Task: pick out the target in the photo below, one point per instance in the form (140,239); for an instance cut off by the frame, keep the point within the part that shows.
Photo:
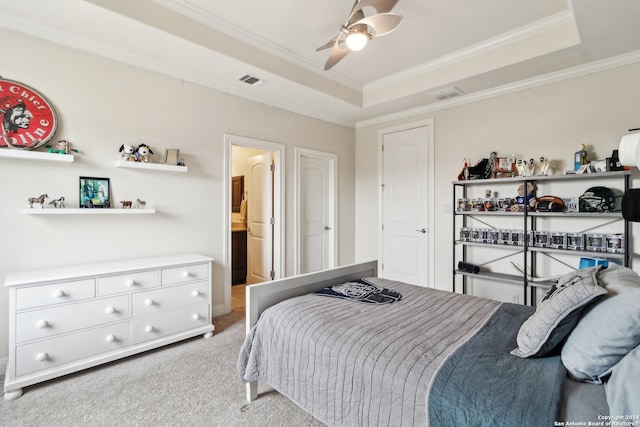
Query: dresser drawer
(168,298)
(183,274)
(161,325)
(57,351)
(55,293)
(127,282)
(70,317)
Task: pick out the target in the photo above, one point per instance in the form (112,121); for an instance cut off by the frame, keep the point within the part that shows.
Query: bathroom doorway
(254,210)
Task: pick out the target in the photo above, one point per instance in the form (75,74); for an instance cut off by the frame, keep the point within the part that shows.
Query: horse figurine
(57,203)
(39,200)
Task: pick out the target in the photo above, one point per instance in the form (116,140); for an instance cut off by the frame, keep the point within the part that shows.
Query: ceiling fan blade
(381,24)
(328,44)
(336,55)
(381,6)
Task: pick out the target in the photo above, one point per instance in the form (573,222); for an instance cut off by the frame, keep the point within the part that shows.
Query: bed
(430,357)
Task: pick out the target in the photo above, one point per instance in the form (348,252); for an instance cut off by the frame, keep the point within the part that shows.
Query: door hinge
(272,221)
(272,167)
(273,274)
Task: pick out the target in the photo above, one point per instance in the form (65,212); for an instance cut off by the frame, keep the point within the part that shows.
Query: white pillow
(557,313)
(607,330)
(623,388)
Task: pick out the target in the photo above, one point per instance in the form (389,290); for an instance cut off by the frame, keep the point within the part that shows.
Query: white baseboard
(3,367)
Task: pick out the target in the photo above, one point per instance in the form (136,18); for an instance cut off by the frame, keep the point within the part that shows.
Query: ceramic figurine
(126,204)
(57,203)
(39,200)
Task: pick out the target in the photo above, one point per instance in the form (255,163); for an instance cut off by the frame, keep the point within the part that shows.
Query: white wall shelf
(78,211)
(11,153)
(150,166)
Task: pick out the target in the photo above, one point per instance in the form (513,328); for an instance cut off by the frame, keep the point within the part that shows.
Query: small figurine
(57,203)
(127,152)
(62,147)
(140,204)
(531,168)
(39,200)
(126,204)
(520,164)
(142,153)
(544,165)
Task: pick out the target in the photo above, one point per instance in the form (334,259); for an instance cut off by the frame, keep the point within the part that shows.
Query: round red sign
(28,119)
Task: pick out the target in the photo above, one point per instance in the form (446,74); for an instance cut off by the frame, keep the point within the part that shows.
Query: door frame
(429,123)
(278,151)
(333,161)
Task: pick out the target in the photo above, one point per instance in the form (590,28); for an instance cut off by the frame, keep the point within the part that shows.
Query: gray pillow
(623,388)
(557,313)
(607,330)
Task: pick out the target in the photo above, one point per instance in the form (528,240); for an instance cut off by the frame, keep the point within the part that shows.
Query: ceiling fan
(359,29)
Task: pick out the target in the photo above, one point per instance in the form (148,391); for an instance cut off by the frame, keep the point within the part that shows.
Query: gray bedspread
(352,364)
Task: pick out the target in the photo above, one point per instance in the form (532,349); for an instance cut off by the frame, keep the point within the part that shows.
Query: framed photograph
(171,156)
(95,192)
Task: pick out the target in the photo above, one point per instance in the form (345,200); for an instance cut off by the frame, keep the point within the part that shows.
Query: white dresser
(62,320)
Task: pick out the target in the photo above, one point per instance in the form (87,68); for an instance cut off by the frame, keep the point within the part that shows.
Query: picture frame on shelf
(172,155)
(94,192)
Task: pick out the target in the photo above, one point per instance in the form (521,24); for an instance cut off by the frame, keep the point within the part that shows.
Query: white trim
(557,76)
(544,25)
(333,159)
(278,151)
(429,123)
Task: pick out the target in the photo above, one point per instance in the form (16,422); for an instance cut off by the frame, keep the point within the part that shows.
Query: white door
(316,196)
(259,220)
(405,229)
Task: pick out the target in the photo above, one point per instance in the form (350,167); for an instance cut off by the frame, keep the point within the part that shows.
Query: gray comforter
(354,364)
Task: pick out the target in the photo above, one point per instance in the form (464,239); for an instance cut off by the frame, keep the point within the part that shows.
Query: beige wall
(102,104)
(551,121)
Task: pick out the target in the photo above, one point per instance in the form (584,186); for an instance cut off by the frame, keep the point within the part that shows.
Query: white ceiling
(482,48)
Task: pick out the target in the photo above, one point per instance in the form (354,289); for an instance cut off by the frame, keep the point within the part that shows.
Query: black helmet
(598,199)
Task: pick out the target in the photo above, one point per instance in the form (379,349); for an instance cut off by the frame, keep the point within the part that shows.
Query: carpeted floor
(192,383)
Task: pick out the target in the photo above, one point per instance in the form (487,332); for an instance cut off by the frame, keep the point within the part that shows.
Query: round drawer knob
(149,328)
(149,301)
(111,338)
(186,274)
(42,324)
(195,293)
(110,310)
(41,357)
(196,316)
(130,282)
(59,293)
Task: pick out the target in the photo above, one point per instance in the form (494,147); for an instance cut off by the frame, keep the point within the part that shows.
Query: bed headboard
(263,295)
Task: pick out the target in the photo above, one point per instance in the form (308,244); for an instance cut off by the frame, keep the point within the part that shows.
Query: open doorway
(254,212)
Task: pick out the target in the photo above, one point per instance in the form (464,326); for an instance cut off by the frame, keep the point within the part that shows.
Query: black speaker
(631,205)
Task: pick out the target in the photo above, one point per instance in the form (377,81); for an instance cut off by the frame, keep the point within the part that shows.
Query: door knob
(422,230)
(326,227)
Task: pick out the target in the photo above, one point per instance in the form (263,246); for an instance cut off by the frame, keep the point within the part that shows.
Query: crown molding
(569,73)
(522,33)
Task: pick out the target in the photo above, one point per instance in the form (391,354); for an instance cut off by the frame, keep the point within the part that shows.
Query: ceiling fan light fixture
(357,40)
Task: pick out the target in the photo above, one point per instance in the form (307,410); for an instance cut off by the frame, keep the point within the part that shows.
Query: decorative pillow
(558,313)
(607,330)
(623,388)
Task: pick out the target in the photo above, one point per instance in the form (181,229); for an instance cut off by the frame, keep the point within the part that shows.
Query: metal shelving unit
(528,219)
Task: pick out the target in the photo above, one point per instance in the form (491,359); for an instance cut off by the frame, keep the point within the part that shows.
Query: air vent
(446,93)
(251,80)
